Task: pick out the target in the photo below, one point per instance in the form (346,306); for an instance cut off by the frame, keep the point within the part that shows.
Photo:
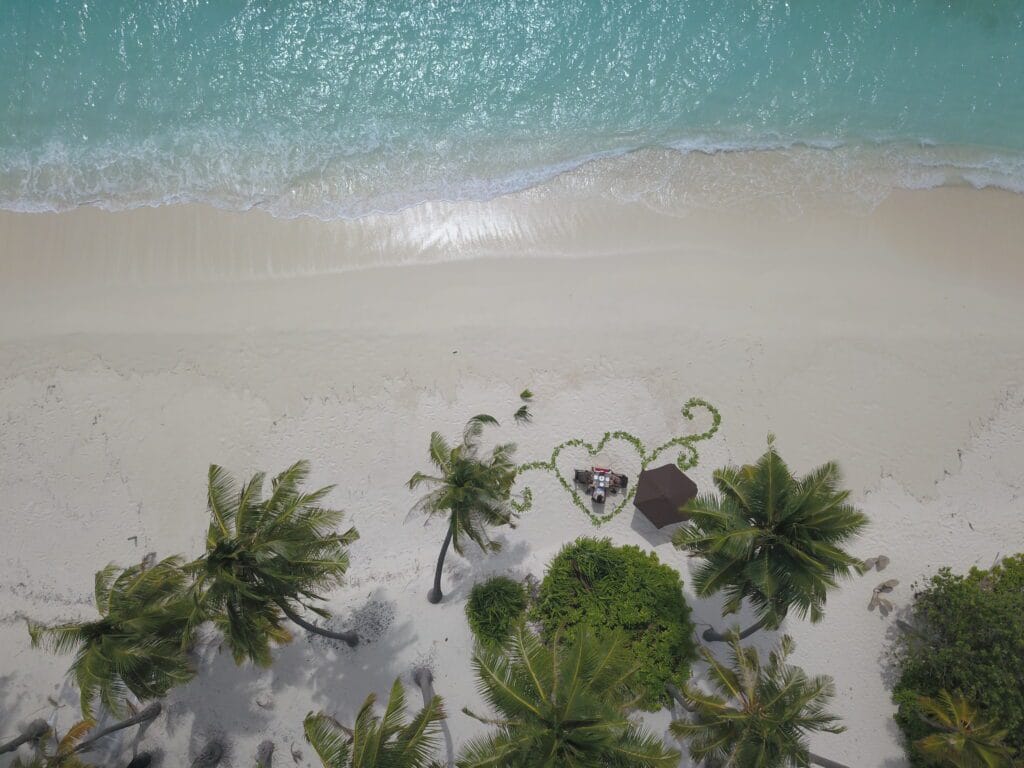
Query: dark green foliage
(563,705)
(495,607)
(968,639)
(594,585)
(266,558)
(390,741)
(771,538)
(471,490)
(138,643)
(758,714)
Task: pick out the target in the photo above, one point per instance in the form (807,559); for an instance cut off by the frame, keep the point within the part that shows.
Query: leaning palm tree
(771,538)
(59,751)
(138,644)
(267,559)
(563,705)
(471,490)
(962,739)
(32,733)
(757,715)
(64,752)
(375,742)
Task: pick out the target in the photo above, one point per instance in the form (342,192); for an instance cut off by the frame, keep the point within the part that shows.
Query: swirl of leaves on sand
(687,458)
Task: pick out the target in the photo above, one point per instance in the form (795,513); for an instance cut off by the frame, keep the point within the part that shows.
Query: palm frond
(331,744)
(563,703)
(772,539)
(759,713)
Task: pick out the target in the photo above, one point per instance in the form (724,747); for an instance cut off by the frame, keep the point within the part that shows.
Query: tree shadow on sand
(223,700)
(894,632)
(340,677)
(476,565)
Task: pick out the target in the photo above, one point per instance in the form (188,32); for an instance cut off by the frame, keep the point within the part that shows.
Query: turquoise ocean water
(339,107)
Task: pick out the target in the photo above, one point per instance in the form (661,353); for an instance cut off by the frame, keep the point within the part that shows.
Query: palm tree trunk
(435,595)
(678,697)
(33,732)
(210,755)
(265,754)
(144,716)
(424,678)
(824,762)
(711,636)
(349,638)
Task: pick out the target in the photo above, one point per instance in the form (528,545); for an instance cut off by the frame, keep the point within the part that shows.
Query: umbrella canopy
(660,492)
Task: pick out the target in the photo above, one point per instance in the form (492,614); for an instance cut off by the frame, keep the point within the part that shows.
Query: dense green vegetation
(595,586)
(136,646)
(495,607)
(561,704)
(772,539)
(966,637)
(613,630)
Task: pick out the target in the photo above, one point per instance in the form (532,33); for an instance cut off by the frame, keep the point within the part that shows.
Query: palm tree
(267,559)
(137,646)
(771,538)
(563,705)
(66,750)
(31,733)
(962,738)
(62,752)
(472,491)
(375,742)
(757,716)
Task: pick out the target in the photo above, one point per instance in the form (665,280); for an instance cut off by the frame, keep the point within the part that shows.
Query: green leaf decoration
(687,458)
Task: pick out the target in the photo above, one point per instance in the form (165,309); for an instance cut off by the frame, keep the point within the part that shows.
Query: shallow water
(339,108)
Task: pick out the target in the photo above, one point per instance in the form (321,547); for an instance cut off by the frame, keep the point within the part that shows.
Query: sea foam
(340,108)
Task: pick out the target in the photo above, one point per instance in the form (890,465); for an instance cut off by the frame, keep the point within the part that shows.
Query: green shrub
(596,585)
(968,639)
(495,606)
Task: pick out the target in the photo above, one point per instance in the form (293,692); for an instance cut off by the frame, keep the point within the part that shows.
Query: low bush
(967,638)
(495,607)
(596,585)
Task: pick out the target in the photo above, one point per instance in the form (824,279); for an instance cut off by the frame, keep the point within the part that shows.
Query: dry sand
(138,347)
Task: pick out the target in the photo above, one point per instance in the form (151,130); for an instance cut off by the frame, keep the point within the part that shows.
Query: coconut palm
(378,742)
(267,559)
(138,644)
(771,538)
(32,733)
(962,739)
(64,752)
(471,490)
(60,751)
(757,716)
(563,705)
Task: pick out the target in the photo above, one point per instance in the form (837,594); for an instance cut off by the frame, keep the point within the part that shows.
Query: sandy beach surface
(138,347)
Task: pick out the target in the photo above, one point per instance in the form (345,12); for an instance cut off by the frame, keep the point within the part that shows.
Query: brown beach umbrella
(660,492)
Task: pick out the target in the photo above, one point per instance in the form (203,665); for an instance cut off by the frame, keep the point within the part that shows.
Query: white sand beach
(138,347)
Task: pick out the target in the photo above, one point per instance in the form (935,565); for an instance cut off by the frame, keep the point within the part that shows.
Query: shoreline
(866,169)
(758,201)
(138,347)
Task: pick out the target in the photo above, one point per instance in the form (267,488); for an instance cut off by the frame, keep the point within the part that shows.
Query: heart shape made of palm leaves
(686,459)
